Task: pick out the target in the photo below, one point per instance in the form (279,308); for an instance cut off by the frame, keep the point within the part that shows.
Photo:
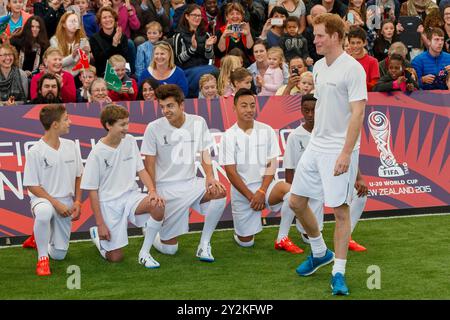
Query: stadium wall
(404,150)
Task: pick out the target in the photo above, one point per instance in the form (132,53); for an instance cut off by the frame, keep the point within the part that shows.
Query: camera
(294,71)
(236,28)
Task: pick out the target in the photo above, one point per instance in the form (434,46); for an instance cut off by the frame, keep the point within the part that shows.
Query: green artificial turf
(413,255)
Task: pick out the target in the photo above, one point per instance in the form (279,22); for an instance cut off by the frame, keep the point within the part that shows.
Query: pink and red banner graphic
(404,148)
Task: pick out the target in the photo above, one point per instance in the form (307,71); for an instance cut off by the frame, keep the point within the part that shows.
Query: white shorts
(314,178)
(247,222)
(116,214)
(179,197)
(59,226)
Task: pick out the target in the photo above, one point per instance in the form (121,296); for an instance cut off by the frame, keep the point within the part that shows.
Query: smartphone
(236,28)
(350,18)
(294,71)
(276,22)
(128,83)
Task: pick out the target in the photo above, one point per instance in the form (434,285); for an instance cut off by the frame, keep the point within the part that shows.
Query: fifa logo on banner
(380,129)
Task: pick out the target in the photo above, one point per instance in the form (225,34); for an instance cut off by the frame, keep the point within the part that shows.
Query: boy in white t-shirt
(171,145)
(52,174)
(110,178)
(249,151)
(296,144)
(328,169)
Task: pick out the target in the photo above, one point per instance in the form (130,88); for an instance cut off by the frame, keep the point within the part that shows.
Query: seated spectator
(261,64)
(194,48)
(293,43)
(273,78)
(70,37)
(86,78)
(108,41)
(208,87)
(398,48)
(98,91)
(432,20)
(356,15)
(48,90)
(228,65)
(129,86)
(241,78)
(331,6)
(309,32)
(18,17)
(446,28)
(50,11)
(386,36)
(433,65)
(163,69)
(306,84)
(128,21)
(147,90)
(296,68)
(211,16)
(417,8)
(176,12)
(13,81)
(31,44)
(295,8)
(53,64)
(151,11)
(273,29)
(145,50)
(238,53)
(236,33)
(357,38)
(88,16)
(398,77)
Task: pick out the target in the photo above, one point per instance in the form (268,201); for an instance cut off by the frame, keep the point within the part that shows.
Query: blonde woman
(163,69)
(70,37)
(227,65)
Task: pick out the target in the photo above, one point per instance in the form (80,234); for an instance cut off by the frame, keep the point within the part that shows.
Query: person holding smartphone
(129,88)
(233,36)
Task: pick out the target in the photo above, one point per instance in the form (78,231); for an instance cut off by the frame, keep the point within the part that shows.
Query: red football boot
(43,267)
(355,246)
(288,245)
(30,242)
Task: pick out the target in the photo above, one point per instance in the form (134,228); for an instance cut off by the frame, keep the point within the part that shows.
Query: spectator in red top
(211,16)
(129,86)
(357,38)
(53,65)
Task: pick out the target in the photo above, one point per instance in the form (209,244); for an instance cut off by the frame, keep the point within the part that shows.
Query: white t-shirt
(176,148)
(250,153)
(112,171)
(295,146)
(335,87)
(53,170)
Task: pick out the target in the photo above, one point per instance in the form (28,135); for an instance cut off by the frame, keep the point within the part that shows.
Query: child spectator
(386,36)
(129,86)
(241,78)
(86,78)
(88,16)
(273,78)
(208,87)
(306,84)
(358,40)
(145,50)
(399,78)
(227,65)
(293,43)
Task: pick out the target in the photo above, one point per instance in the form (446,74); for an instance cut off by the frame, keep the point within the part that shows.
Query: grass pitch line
(271,226)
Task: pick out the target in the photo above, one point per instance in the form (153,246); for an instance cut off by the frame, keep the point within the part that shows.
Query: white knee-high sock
(287,216)
(151,229)
(43,213)
(356,210)
(213,211)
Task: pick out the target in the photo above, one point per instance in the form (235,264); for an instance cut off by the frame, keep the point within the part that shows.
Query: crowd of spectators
(211,48)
